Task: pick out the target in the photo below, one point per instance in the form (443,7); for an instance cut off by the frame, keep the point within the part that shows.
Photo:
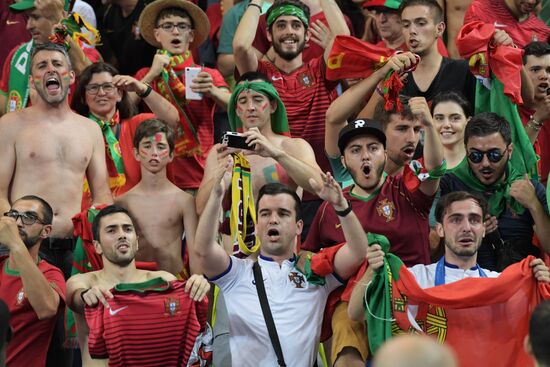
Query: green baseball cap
(392,4)
(29,4)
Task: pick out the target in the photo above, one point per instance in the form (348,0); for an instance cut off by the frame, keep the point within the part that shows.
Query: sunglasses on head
(493,155)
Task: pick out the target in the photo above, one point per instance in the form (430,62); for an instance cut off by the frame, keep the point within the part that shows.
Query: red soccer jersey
(542,144)
(395,212)
(307,94)
(154,323)
(31,336)
(495,12)
(187,172)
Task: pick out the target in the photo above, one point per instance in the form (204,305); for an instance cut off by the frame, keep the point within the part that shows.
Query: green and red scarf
(18,85)
(171,86)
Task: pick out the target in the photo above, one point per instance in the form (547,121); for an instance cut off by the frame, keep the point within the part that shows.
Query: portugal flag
(483,319)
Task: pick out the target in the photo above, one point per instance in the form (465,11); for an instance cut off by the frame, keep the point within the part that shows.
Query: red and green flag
(483,319)
(498,89)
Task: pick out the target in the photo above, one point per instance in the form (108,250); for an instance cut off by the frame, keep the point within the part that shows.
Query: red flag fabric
(474,43)
(483,319)
(352,58)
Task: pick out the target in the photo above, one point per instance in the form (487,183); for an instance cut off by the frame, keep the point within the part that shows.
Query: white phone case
(190,74)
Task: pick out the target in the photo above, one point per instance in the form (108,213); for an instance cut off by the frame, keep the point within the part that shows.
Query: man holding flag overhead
(462,314)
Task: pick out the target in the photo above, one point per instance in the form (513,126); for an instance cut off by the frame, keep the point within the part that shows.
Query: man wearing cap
(303,87)
(42,17)
(387,207)
(175,27)
(33,289)
(256,110)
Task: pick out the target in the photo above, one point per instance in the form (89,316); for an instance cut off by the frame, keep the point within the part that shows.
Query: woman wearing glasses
(103,96)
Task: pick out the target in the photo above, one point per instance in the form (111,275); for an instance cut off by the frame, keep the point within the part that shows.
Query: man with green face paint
(256,111)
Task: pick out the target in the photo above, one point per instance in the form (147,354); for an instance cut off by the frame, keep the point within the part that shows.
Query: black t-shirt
(121,39)
(453,75)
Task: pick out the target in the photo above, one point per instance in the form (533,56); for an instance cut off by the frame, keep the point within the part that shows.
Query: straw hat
(150,13)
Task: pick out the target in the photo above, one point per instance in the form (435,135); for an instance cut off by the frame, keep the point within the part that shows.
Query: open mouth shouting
(366,169)
(408,151)
(413,43)
(53,86)
(273,234)
(542,87)
(123,247)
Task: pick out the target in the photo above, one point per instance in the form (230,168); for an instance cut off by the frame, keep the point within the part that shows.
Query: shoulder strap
(259,280)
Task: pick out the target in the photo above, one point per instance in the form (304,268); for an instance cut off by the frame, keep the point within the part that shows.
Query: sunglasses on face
(493,155)
(27,218)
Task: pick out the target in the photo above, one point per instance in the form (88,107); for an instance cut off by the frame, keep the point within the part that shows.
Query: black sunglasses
(27,218)
(493,155)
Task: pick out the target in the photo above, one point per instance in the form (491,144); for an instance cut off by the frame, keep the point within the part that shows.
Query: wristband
(146,93)
(82,295)
(256,5)
(343,213)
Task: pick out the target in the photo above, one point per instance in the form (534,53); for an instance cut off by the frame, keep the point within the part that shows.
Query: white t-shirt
(425,274)
(297,308)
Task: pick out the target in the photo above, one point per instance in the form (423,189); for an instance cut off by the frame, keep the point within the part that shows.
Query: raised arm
(43,298)
(245,55)
(97,169)
(336,22)
(211,257)
(160,106)
(433,149)
(351,255)
(356,306)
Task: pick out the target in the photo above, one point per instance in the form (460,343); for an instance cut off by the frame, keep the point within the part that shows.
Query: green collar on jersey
(153,285)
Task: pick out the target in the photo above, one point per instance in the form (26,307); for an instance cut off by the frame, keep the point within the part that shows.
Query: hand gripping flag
(497,69)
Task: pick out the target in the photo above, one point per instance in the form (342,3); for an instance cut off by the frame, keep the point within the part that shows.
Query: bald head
(414,351)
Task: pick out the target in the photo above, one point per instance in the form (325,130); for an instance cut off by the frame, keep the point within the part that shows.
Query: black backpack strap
(259,280)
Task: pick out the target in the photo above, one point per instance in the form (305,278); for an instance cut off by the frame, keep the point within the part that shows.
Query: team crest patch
(171,306)
(20,297)
(15,101)
(385,208)
(297,279)
(305,79)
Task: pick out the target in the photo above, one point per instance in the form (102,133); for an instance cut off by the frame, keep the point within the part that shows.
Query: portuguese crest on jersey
(297,279)
(20,297)
(171,306)
(385,208)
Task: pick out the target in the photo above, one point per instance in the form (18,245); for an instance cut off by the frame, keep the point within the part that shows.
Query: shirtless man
(47,150)
(161,210)
(256,109)
(454,19)
(116,240)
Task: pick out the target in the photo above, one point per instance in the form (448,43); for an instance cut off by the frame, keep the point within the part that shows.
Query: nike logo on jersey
(275,78)
(114,312)
(336,226)
(499,25)
(11,22)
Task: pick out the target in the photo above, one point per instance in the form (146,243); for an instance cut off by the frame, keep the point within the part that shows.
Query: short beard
(31,241)
(119,262)
(57,100)
(288,56)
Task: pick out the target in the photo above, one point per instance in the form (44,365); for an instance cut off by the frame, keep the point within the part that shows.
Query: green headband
(279,121)
(287,9)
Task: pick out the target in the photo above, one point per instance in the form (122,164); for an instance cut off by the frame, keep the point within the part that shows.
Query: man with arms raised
(47,150)
(296,303)
(115,239)
(33,289)
(162,212)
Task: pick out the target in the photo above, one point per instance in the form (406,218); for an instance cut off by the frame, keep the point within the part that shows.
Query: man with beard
(517,205)
(387,207)
(33,289)
(303,87)
(516,17)
(122,292)
(47,150)
(460,223)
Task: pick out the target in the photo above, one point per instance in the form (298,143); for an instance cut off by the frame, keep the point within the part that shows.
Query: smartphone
(190,74)
(235,140)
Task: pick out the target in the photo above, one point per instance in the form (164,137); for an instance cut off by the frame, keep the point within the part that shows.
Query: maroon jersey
(307,94)
(495,12)
(154,323)
(394,211)
(31,336)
